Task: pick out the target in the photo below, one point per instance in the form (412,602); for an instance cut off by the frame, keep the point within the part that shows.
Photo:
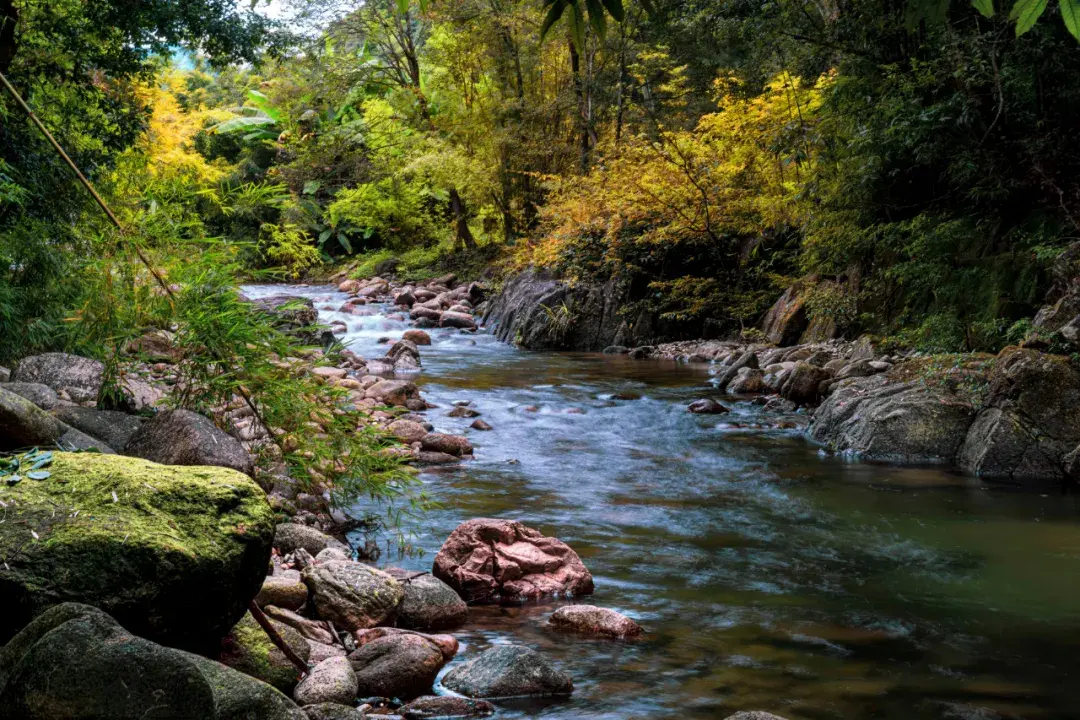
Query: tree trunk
(9,18)
(583,125)
(461,220)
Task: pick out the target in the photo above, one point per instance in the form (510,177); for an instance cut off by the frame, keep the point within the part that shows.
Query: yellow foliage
(169,137)
(737,174)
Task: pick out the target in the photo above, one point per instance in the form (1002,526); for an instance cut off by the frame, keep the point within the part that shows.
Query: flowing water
(768,575)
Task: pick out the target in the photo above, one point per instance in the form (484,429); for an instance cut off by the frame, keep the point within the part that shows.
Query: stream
(767,574)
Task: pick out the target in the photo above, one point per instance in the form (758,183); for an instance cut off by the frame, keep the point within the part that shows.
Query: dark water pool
(767,574)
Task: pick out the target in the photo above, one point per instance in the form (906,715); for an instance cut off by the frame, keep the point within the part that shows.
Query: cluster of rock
(441,302)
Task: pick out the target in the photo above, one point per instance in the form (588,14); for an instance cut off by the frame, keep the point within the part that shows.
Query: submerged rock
(182,437)
(174,553)
(490,560)
(594,620)
(74,661)
(506,671)
(438,706)
(706,406)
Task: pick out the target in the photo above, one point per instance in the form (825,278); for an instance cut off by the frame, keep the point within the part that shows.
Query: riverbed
(768,574)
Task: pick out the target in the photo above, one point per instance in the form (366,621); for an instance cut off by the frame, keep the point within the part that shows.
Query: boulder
(457,320)
(490,560)
(320,652)
(407,430)
(445,706)
(753,715)
(419,312)
(1031,419)
(393,392)
(331,681)
(352,595)
(79,377)
(746,381)
(282,591)
(430,457)
(876,418)
(112,427)
(248,649)
(481,425)
(24,424)
(463,412)
(314,630)
(787,319)
(155,346)
(419,337)
(333,711)
(506,671)
(403,354)
(289,537)
(74,661)
(41,395)
(455,445)
(77,441)
(401,666)
(802,385)
(290,313)
(447,644)
(174,553)
(182,437)
(727,373)
(594,620)
(706,406)
(429,604)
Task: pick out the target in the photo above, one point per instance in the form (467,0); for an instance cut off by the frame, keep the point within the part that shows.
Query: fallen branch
(275,637)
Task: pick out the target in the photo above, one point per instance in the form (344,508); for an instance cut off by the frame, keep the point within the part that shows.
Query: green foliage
(392,213)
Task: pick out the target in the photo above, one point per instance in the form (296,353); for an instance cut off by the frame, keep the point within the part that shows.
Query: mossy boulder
(74,661)
(248,648)
(175,554)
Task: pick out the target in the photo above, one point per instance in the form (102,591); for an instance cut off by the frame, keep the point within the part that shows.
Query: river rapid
(767,574)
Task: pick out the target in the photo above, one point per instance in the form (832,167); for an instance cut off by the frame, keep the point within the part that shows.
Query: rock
(288,537)
(331,681)
(490,560)
(642,353)
(481,425)
(727,373)
(248,649)
(801,386)
(155,346)
(352,595)
(388,266)
(506,671)
(457,320)
(314,630)
(445,706)
(401,666)
(403,352)
(1031,419)
(74,661)
(5,374)
(407,430)
(594,620)
(24,424)
(876,418)
(447,644)
(428,457)
(463,412)
(182,437)
(77,441)
(450,444)
(418,337)
(41,395)
(331,554)
(393,392)
(285,592)
(176,558)
(616,350)
(349,286)
(786,320)
(109,426)
(79,377)
(753,715)
(291,314)
(333,711)
(320,652)
(857,368)
(329,373)
(419,312)
(706,406)
(747,381)
(429,604)
(139,395)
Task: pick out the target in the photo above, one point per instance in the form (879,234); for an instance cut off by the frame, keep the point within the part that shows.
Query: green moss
(249,650)
(184,509)
(174,553)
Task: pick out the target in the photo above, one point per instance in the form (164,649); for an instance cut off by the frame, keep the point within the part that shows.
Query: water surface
(768,575)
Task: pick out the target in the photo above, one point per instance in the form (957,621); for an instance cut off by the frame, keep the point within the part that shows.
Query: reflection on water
(768,575)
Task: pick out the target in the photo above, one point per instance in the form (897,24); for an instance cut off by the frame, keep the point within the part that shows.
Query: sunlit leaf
(1026,13)
(1070,13)
(986,7)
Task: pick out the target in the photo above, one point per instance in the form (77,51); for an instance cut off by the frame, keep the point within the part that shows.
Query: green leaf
(597,17)
(577,26)
(615,7)
(39,475)
(986,7)
(312,186)
(345,243)
(1070,13)
(263,103)
(555,11)
(1026,13)
(402,6)
(243,124)
(325,235)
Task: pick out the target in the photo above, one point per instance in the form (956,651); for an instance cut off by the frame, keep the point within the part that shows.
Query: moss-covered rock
(175,554)
(248,648)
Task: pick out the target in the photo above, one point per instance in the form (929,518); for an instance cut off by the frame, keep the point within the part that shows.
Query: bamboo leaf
(577,26)
(615,7)
(1026,13)
(1070,13)
(554,13)
(597,17)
